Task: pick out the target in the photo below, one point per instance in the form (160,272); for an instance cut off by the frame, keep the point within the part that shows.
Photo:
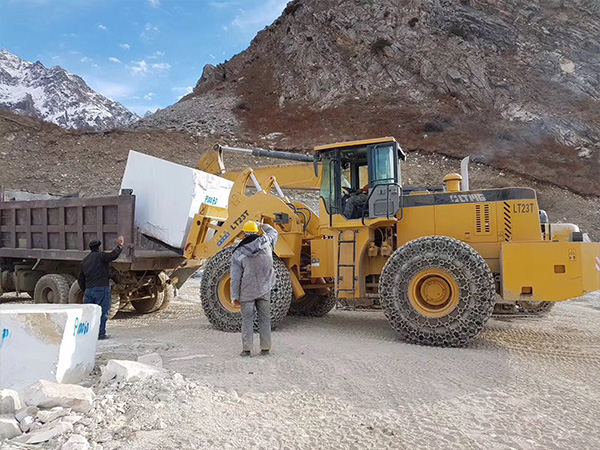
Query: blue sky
(144,54)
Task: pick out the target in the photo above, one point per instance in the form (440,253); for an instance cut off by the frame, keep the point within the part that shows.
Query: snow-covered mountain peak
(57,96)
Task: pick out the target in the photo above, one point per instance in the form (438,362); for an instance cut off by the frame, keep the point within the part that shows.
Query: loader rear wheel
(76,295)
(437,291)
(535,308)
(314,303)
(52,288)
(216,299)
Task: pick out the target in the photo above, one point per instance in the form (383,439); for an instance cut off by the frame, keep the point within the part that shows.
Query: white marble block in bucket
(168,195)
(50,342)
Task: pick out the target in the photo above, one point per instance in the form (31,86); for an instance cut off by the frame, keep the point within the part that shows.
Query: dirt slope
(514,85)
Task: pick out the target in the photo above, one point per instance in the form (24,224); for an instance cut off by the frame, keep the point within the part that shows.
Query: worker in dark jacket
(252,278)
(94,279)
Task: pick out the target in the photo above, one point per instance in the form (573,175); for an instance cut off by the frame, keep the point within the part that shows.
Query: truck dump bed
(62,229)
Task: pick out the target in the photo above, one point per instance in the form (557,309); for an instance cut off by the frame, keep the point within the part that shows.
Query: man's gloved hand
(235,302)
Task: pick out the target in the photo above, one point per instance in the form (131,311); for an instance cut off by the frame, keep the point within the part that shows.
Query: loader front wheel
(437,291)
(216,298)
(314,303)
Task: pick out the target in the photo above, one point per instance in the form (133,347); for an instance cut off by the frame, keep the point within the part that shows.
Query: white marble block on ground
(50,342)
(168,195)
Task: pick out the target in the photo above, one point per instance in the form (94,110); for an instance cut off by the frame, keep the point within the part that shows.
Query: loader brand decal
(446,198)
(239,220)
(467,198)
(223,239)
(520,208)
(598,264)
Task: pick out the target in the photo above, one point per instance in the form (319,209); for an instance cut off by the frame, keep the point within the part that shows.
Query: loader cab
(361,179)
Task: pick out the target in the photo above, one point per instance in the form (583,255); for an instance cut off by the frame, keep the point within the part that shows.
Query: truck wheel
(535,308)
(437,291)
(70,280)
(52,288)
(216,299)
(153,302)
(76,295)
(314,303)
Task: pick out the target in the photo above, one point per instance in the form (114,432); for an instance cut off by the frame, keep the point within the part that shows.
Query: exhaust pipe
(464,172)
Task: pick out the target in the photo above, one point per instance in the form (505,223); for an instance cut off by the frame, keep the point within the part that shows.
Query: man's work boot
(245,353)
(103,336)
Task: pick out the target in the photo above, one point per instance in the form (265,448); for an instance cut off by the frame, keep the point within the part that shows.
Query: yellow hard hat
(251,227)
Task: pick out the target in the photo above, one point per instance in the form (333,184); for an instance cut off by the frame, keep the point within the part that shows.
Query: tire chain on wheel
(471,273)
(220,265)
(315,304)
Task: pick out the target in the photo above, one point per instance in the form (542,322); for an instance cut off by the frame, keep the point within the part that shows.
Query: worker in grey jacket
(252,278)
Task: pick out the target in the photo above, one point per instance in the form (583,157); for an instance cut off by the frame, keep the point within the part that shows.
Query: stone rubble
(9,401)
(46,394)
(130,370)
(9,427)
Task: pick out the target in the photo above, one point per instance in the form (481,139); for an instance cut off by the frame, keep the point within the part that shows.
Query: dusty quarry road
(346,381)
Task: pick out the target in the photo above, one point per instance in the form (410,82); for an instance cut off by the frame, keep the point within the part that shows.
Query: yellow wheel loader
(437,259)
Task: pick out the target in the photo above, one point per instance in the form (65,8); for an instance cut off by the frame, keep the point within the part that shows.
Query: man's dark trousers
(100,296)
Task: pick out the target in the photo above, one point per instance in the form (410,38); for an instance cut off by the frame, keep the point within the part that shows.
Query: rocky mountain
(57,96)
(513,84)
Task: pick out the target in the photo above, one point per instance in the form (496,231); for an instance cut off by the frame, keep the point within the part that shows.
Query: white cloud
(115,60)
(125,46)
(212,56)
(102,27)
(181,91)
(222,5)
(154,3)
(149,96)
(139,67)
(86,59)
(70,35)
(162,66)
(156,55)
(250,20)
(150,31)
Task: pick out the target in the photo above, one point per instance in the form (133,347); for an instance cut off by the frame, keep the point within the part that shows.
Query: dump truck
(42,244)
(438,259)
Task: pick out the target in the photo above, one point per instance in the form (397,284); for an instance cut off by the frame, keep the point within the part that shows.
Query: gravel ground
(346,381)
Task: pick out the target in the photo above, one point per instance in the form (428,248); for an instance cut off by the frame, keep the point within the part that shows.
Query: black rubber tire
(222,319)
(476,291)
(535,308)
(51,288)
(151,304)
(76,296)
(70,280)
(314,304)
